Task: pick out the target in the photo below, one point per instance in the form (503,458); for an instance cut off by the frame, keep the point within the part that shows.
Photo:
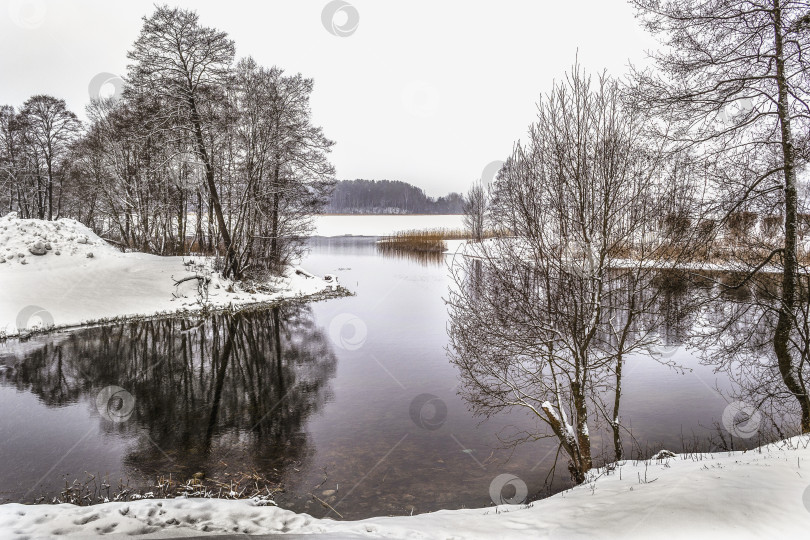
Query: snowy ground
(763,493)
(59,273)
(382,225)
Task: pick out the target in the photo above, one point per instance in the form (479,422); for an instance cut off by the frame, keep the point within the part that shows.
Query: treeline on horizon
(389,197)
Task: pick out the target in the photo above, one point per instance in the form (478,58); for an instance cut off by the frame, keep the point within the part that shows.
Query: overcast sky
(428,92)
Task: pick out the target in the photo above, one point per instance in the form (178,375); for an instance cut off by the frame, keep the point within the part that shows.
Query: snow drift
(61,274)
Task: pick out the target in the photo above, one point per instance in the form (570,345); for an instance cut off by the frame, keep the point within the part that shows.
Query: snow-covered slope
(763,493)
(60,273)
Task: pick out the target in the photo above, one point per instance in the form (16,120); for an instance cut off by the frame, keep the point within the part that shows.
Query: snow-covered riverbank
(762,493)
(60,274)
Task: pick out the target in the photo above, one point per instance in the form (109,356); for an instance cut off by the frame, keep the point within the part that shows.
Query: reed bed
(426,240)
(422,241)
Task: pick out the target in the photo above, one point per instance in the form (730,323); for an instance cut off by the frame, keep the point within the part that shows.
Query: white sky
(428,92)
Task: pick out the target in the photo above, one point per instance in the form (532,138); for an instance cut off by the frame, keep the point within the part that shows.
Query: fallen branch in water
(326,505)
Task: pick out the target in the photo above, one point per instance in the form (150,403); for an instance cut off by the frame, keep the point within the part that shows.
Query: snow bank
(24,241)
(761,493)
(59,273)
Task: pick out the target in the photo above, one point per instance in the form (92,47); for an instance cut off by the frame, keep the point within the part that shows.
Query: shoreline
(60,275)
(647,499)
(232,309)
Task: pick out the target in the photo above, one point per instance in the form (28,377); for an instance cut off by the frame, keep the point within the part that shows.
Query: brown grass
(425,241)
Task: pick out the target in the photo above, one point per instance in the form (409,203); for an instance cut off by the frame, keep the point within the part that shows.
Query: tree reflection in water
(230,394)
(511,335)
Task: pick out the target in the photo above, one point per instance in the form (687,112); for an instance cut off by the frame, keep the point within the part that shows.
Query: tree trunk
(567,442)
(231,265)
(614,422)
(50,193)
(784,325)
(583,436)
(275,255)
(40,195)
(200,234)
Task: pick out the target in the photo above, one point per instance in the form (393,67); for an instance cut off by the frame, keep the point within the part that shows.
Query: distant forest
(389,197)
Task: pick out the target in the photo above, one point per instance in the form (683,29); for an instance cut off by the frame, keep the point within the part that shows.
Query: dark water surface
(327,399)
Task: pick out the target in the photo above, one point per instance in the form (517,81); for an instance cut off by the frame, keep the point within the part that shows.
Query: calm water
(325,399)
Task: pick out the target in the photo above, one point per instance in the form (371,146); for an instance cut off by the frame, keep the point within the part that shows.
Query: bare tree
(735,77)
(280,159)
(545,320)
(475,210)
(301,176)
(50,128)
(187,67)
(10,157)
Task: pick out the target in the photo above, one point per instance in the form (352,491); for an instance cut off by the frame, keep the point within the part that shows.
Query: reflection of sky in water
(357,436)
